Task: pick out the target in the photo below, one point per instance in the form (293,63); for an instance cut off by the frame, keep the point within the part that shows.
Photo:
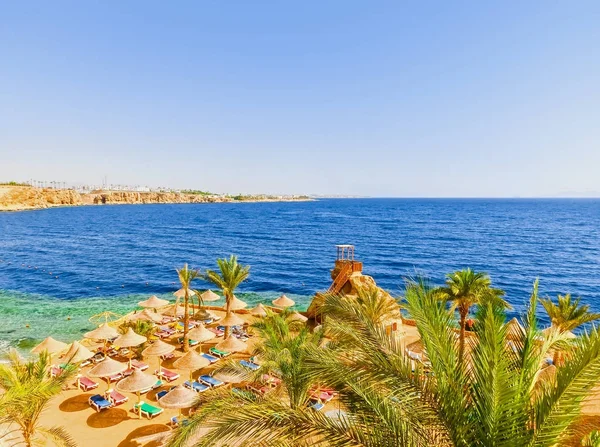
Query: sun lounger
(321,396)
(161,394)
(218,352)
(98,357)
(210,358)
(271,380)
(249,365)
(148,410)
(175,422)
(167,356)
(99,403)
(169,376)
(318,406)
(211,381)
(167,320)
(196,386)
(139,365)
(115,377)
(259,388)
(158,384)
(117,398)
(191,342)
(55,371)
(86,384)
(216,331)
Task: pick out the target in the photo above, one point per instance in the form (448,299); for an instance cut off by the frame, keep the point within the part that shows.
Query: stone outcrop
(19,198)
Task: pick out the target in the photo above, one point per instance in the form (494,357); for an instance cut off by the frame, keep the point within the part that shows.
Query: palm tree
(27,391)
(228,278)
(186,276)
(567,315)
(464,289)
(389,401)
(284,348)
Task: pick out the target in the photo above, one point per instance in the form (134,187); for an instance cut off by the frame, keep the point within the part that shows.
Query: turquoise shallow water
(76,262)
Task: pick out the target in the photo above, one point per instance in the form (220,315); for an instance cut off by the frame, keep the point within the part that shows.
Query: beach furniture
(318,406)
(165,332)
(210,358)
(258,388)
(321,396)
(86,384)
(218,352)
(98,357)
(217,332)
(116,398)
(271,380)
(167,320)
(196,386)
(168,356)
(55,371)
(158,384)
(123,352)
(191,342)
(114,377)
(99,403)
(147,410)
(249,365)
(139,365)
(169,376)
(161,394)
(175,422)
(210,381)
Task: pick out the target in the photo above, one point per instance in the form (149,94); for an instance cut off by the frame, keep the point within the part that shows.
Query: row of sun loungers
(99,402)
(169,376)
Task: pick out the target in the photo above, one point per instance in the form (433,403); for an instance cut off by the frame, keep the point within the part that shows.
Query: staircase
(341,278)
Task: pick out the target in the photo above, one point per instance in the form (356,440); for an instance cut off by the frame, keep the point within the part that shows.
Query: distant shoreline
(21,198)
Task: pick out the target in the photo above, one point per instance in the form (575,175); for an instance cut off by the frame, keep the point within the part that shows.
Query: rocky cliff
(18,198)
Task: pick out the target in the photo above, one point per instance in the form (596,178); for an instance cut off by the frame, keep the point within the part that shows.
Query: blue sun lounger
(210,358)
(249,365)
(211,381)
(196,386)
(99,403)
(317,406)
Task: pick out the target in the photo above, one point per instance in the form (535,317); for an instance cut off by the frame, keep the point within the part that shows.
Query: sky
(400,99)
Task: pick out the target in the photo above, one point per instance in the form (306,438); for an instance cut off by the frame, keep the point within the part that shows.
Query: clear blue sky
(332,97)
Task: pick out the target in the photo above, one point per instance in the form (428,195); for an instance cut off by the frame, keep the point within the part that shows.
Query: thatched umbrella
(283,302)
(232,344)
(153,302)
(191,361)
(179,397)
(78,353)
(236,304)
(296,316)
(50,345)
(158,348)
(104,333)
(209,296)
(174,310)
(514,329)
(138,381)
(145,315)
(181,293)
(104,317)
(259,311)
(128,340)
(201,334)
(107,368)
(546,375)
(231,320)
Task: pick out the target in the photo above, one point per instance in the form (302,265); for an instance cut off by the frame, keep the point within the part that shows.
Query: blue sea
(60,266)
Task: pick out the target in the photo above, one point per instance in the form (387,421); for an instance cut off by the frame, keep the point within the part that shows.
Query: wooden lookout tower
(345,266)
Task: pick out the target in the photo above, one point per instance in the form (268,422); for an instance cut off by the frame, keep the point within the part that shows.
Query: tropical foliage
(186,277)
(28,389)
(464,289)
(568,314)
(230,275)
(495,395)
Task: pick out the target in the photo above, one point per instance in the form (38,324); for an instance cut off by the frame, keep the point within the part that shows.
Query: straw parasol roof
(259,311)
(78,353)
(201,334)
(129,339)
(232,344)
(174,310)
(136,382)
(514,328)
(237,304)
(283,301)
(209,296)
(107,367)
(296,316)
(153,302)
(178,397)
(416,347)
(181,293)
(159,347)
(103,332)
(191,361)
(546,375)
(145,315)
(231,320)
(104,317)
(551,330)
(50,345)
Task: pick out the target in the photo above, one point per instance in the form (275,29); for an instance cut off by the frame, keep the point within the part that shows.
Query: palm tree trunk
(461,340)
(186,322)
(227,313)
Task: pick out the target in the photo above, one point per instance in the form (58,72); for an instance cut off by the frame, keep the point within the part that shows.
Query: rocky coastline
(22,198)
